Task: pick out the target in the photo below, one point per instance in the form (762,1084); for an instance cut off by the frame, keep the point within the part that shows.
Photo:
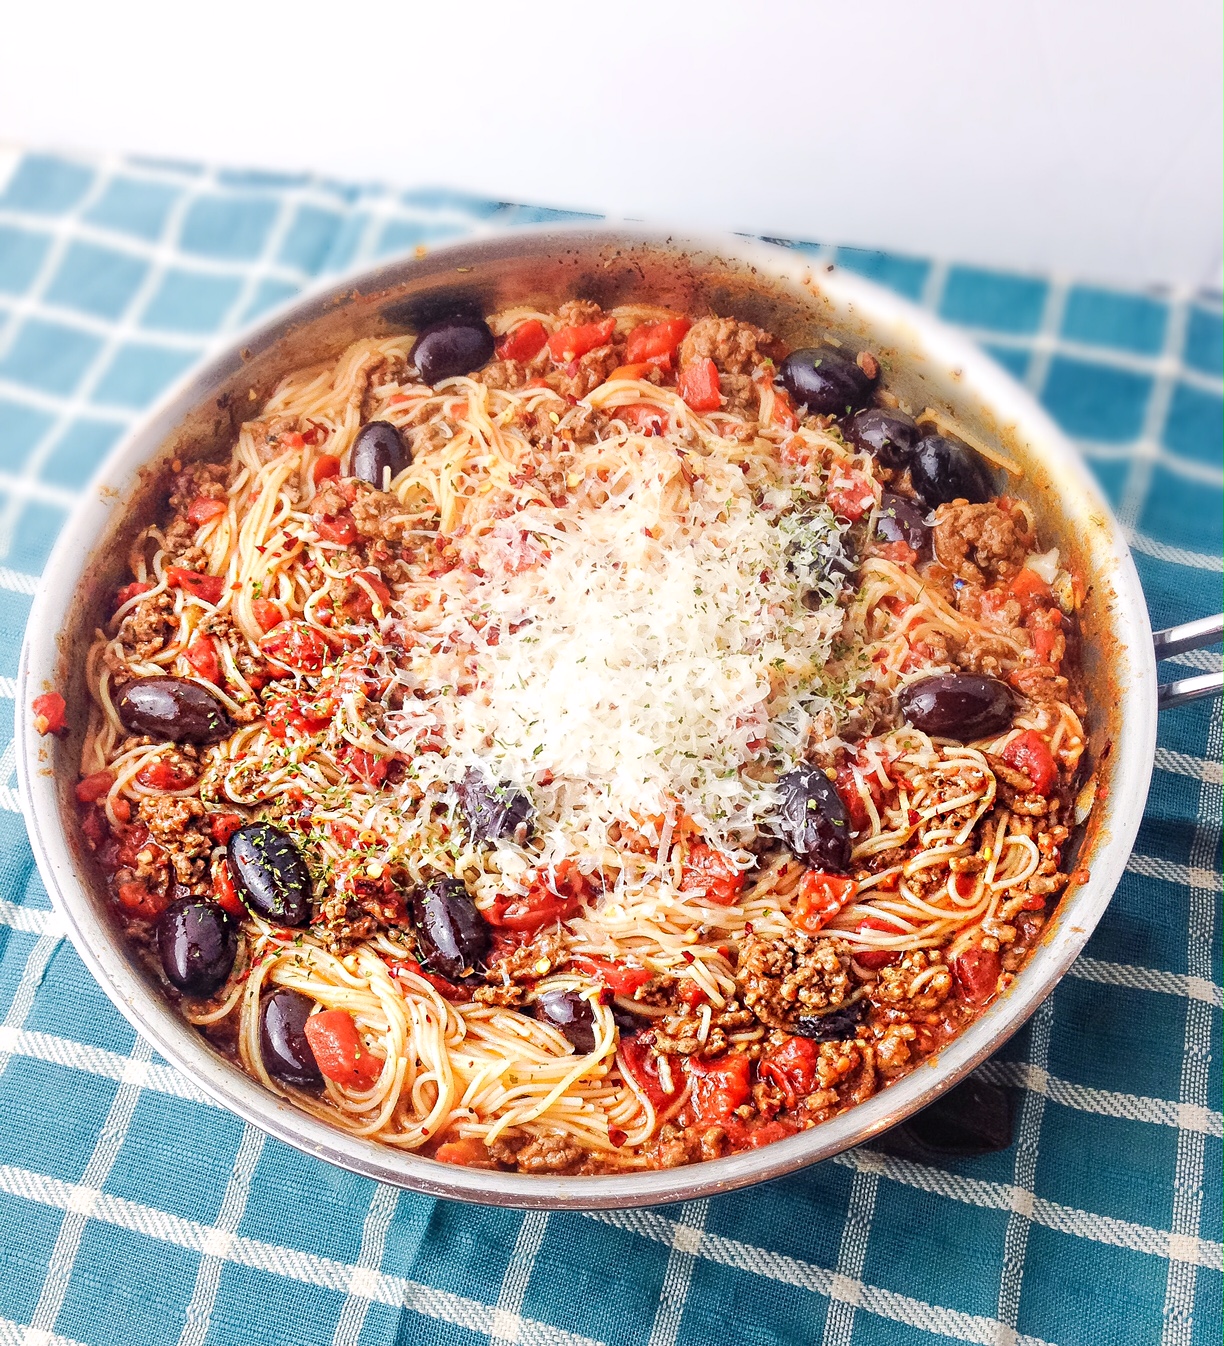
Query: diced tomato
(339,1051)
(208,588)
(783,412)
(821,897)
(619,978)
(698,385)
(446,989)
(359,604)
(711,870)
(165,774)
(638,371)
(92,788)
(720,1085)
(94,825)
(791,1065)
(296,645)
(267,614)
(326,466)
(467,1152)
(568,343)
(130,591)
(877,958)
(848,791)
(137,897)
(899,552)
(639,1063)
(1044,640)
(205,508)
(287,715)
(691,992)
(50,711)
(202,655)
(977,973)
(224,893)
(849,494)
(1031,591)
(643,417)
(222,826)
(1030,753)
(291,439)
(316,434)
(361,766)
(337,528)
(655,342)
(765,1133)
(524,342)
(540,905)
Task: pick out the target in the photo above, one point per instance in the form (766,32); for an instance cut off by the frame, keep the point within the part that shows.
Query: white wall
(1081,135)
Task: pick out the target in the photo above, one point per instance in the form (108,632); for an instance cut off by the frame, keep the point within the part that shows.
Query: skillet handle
(1179,639)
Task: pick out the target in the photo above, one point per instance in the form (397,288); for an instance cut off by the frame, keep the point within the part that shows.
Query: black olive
(378,455)
(943,470)
(197,943)
(286,1050)
(452,346)
(569,1012)
(270,873)
(825,380)
(962,706)
(890,436)
(175,710)
(452,934)
(836,1026)
(812,819)
(900,520)
(493,811)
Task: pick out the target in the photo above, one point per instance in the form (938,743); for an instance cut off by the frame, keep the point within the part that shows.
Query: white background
(1075,135)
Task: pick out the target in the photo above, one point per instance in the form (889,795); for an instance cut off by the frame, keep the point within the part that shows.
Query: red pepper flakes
(688,956)
(914,818)
(747,927)
(617,1136)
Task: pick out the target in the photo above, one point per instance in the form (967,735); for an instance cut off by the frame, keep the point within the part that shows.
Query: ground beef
(148,628)
(676,1034)
(196,480)
(357,906)
(735,347)
(585,374)
(677,1145)
(920,980)
(980,542)
(178,541)
(510,977)
(549,1152)
(175,825)
(782,978)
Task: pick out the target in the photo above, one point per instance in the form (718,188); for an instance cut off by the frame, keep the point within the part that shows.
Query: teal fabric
(132,1211)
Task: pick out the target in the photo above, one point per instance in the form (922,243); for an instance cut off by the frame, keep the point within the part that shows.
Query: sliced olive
(287,1054)
(572,1014)
(836,1026)
(812,819)
(943,470)
(450,347)
(197,943)
(453,935)
(378,454)
(900,520)
(271,874)
(493,811)
(890,436)
(175,710)
(964,706)
(825,380)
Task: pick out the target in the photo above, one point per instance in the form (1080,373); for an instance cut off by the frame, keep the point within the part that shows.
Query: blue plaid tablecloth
(134,1211)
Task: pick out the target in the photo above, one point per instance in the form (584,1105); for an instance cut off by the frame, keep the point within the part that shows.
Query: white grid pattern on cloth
(851,1258)
(507,1317)
(678,1274)
(365,1281)
(369,1259)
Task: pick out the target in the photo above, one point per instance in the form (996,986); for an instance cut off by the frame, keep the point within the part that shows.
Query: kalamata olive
(900,520)
(836,1026)
(890,436)
(197,943)
(943,470)
(286,1050)
(452,934)
(812,819)
(962,706)
(175,710)
(571,1014)
(825,380)
(270,873)
(452,346)
(378,454)
(493,811)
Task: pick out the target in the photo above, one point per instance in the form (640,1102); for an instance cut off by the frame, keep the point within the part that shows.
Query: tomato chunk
(467,1151)
(50,711)
(791,1065)
(135,896)
(856,807)
(655,342)
(339,1052)
(641,1066)
(877,958)
(1030,753)
(92,788)
(337,528)
(637,371)
(568,343)
(977,973)
(224,893)
(296,645)
(361,766)
(698,385)
(849,494)
(712,871)
(267,614)
(326,466)
(540,905)
(205,508)
(222,826)
(720,1085)
(202,655)
(619,978)
(643,417)
(130,591)
(1031,591)
(523,342)
(207,588)
(821,897)
(165,774)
